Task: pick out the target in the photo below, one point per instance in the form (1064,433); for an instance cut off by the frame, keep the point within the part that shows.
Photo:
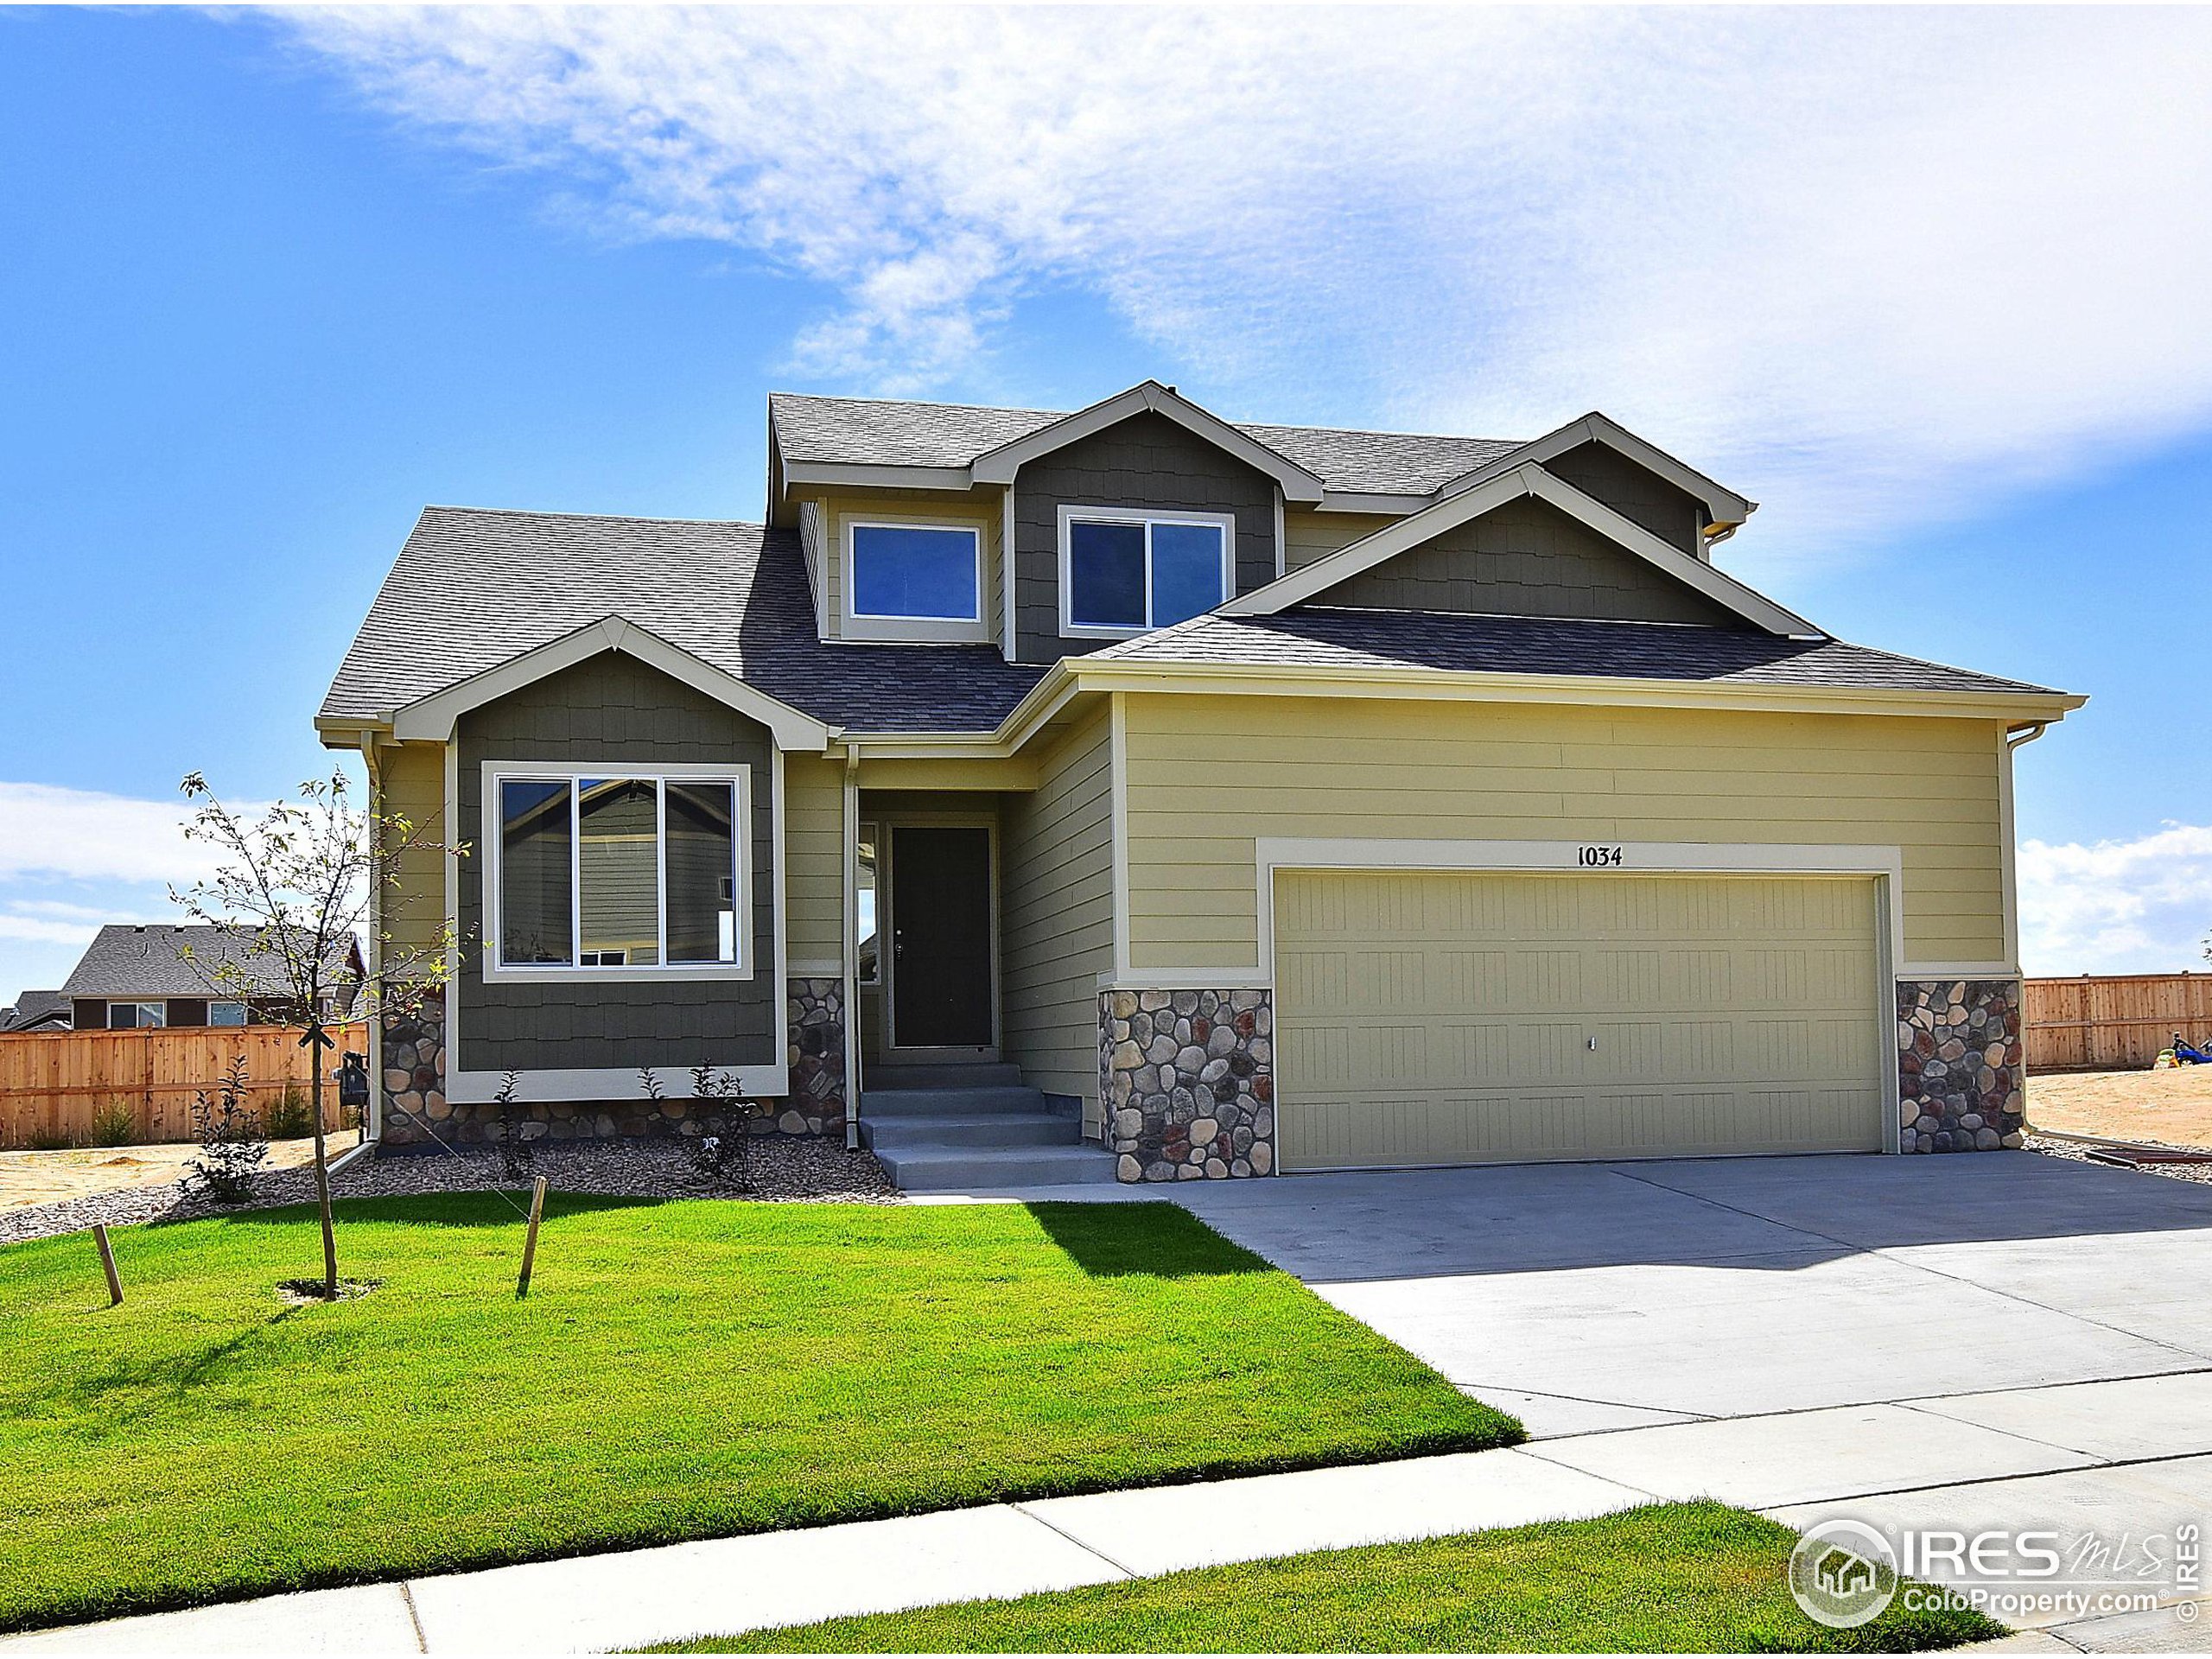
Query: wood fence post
(529,1242)
(107,1261)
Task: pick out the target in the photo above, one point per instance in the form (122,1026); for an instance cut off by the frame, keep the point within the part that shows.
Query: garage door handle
(1593,1044)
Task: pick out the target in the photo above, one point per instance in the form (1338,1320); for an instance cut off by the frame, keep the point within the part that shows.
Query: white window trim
(246,1013)
(497,972)
(857,624)
(1070,512)
(159,1004)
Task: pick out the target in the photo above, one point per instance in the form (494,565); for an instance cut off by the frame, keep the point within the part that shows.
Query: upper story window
(913,580)
(1123,573)
(616,871)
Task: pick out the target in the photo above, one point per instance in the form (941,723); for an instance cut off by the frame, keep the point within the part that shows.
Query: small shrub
(114,1124)
(232,1145)
(514,1148)
(290,1116)
(722,1153)
(51,1140)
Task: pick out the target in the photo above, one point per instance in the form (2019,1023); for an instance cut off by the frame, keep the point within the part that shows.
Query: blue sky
(1932,287)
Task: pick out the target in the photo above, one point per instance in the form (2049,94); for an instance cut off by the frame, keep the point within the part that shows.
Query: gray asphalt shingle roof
(475,587)
(868,432)
(1324,639)
(33,1009)
(126,961)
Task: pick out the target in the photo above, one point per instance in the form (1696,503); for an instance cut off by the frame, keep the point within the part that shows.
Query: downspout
(2026,734)
(373,1122)
(852,950)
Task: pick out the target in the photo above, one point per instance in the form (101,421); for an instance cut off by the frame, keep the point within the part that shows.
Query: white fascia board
(1722,504)
(431,719)
(876,476)
(1372,501)
(1527,478)
(999,466)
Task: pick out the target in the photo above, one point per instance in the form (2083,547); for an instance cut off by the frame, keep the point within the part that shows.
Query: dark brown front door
(940,937)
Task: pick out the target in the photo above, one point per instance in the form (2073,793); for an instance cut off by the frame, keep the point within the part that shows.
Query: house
(1258,797)
(132,977)
(35,1011)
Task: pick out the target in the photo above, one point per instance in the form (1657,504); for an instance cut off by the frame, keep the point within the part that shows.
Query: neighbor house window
(916,573)
(136,1016)
(1123,573)
(627,870)
(226,1013)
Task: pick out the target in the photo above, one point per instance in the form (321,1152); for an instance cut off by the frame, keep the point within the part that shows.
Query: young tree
(296,892)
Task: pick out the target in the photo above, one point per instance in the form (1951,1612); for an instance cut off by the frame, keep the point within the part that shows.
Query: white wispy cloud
(1870,263)
(2117,906)
(79,835)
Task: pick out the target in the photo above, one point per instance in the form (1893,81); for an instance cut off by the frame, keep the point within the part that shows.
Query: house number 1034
(1591,858)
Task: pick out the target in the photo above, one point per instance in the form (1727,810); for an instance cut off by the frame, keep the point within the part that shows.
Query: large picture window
(617,870)
(1123,573)
(917,573)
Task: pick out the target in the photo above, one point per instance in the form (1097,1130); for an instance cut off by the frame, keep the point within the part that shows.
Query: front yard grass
(680,1370)
(1672,1577)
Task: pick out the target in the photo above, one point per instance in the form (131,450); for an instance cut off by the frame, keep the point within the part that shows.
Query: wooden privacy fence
(52,1084)
(2112,1020)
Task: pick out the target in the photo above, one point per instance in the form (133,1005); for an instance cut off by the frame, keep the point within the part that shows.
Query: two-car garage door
(1446,1017)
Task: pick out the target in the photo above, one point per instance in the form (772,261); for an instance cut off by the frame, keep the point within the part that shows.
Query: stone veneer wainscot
(1186,1080)
(1961,1065)
(417,1113)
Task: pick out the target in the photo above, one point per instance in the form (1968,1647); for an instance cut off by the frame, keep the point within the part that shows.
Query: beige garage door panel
(1441,1017)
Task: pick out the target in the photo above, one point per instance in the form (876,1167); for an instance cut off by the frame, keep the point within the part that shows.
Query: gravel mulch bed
(2077,1153)
(787,1169)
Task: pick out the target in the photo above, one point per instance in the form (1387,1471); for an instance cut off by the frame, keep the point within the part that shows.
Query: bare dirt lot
(2171,1108)
(28,1177)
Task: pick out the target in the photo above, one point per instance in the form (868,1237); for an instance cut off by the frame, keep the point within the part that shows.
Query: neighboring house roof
(864,432)
(473,589)
(1314,637)
(126,961)
(36,1011)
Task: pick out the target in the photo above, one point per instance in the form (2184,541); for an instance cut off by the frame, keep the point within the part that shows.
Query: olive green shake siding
(614,711)
(1642,497)
(1144,461)
(1056,913)
(1527,558)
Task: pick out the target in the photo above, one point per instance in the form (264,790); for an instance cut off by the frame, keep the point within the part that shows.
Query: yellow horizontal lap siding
(1056,907)
(411,784)
(1310,535)
(814,860)
(1208,775)
(1427,1017)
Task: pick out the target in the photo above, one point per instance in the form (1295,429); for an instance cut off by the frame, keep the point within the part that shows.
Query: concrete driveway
(1999,1339)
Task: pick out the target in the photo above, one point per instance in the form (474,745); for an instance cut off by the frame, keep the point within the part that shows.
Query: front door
(940,935)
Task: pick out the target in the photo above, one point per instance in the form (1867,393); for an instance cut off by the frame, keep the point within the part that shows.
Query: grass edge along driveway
(1667,1578)
(680,1370)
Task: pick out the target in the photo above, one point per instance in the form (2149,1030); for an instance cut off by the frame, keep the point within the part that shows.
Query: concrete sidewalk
(2073,1458)
(598,1603)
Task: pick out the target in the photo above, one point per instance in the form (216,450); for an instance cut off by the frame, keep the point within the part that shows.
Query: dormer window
(913,580)
(1124,573)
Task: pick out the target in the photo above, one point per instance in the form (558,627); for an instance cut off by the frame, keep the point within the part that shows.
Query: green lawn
(680,1370)
(1673,1578)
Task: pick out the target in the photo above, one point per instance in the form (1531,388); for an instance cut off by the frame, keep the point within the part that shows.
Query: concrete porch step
(961,1074)
(941,1168)
(982,1129)
(954,1101)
